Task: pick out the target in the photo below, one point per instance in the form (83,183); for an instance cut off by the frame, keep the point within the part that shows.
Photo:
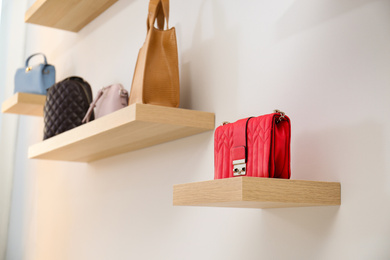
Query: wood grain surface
(252,192)
(134,127)
(24,104)
(66,15)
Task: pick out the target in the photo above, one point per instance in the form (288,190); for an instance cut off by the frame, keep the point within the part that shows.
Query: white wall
(12,43)
(325,63)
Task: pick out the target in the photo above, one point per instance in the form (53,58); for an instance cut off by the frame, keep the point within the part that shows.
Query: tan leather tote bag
(156,75)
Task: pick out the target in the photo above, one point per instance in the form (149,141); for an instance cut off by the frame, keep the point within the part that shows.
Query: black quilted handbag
(66,104)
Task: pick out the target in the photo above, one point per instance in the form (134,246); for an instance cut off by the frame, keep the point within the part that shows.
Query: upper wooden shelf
(66,15)
(252,192)
(131,128)
(24,104)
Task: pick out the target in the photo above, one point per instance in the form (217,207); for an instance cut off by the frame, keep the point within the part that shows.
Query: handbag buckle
(282,115)
(123,93)
(239,167)
(28,69)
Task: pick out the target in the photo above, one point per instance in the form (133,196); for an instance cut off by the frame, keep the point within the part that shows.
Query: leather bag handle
(165,7)
(158,9)
(35,54)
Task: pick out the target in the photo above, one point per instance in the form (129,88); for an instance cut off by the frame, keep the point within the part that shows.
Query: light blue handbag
(35,79)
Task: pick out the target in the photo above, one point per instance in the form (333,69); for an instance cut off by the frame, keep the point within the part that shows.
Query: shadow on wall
(209,69)
(313,226)
(68,58)
(153,165)
(354,155)
(317,12)
(349,152)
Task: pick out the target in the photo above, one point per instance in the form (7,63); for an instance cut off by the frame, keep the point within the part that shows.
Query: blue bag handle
(44,58)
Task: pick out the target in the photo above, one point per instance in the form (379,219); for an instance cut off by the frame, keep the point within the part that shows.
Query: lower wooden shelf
(134,127)
(251,192)
(24,104)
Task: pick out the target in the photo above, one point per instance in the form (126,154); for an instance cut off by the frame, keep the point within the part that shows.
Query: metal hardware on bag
(123,92)
(225,123)
(282,115)
(239,167)
(46,72)
(28,69)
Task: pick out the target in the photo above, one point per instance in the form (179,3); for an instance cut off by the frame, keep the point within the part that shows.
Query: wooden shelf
(251,192)
(24,104)
(131,128)
(66,15)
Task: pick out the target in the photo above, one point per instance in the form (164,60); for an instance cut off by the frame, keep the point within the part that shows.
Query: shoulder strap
(92,106)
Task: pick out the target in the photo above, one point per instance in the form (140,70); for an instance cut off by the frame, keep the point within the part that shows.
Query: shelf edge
(126,120)
(257,193)
(24,104)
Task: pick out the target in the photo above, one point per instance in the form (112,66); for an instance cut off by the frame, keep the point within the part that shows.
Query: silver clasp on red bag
(239,167)
(282,115)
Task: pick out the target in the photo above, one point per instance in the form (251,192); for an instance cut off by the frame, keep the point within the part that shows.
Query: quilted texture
(223,142)
(66,105)
(267,147)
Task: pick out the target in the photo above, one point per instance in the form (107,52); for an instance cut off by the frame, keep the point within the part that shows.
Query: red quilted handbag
(254,146)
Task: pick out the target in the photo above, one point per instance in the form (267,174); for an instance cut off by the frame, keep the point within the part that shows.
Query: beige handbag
(156,75)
